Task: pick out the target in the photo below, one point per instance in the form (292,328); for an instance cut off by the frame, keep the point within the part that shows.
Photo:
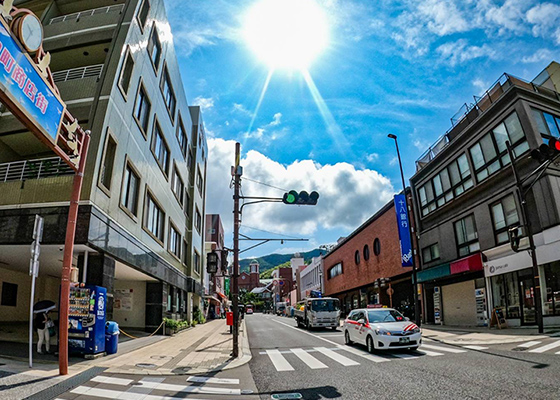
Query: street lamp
(416,308)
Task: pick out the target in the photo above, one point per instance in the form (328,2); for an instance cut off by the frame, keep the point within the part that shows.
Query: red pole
(67,260)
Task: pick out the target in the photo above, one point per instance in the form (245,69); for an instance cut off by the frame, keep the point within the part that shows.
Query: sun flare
(286,34)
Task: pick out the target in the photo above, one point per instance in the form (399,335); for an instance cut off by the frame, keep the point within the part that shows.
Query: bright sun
(286,34)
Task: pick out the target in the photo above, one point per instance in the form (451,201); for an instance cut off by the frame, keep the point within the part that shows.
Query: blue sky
(401,67)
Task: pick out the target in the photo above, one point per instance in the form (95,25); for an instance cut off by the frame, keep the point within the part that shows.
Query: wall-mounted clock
(30,32)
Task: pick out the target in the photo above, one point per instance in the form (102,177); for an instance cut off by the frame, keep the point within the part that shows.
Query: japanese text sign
(22,84)
(404,233)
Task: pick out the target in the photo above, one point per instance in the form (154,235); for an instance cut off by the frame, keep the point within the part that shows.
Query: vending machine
(86,320)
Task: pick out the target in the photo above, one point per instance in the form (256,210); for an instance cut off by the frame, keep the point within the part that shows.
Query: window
(451,182)
(190,160)
(504,216)
(142,110)
(198,221)
(505,293)
(376,247)
(174,242)
(199,181)
(126,72)
(490,153)
(160,149)
(177,185)
(185,252)
(182,137)
(108,162)
(552,293)
(130,189)
(188,205)
(196,262)
(143,13)
(357,257)
(334,271)
(9,294)
(168,94)
(154,48)
(549,125)
(467,237)
(366,252)
(430,253)
(154,219)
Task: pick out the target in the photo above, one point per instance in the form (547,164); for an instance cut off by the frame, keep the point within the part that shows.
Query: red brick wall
(386,265)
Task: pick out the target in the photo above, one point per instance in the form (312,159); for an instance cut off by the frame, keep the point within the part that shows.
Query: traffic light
(514,238)
(225,263)
(545,151)
(301,198)
(212,262)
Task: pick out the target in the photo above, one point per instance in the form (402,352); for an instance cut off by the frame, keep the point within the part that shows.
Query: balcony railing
(78,73)
(117,8)
(469,112)
(34,169)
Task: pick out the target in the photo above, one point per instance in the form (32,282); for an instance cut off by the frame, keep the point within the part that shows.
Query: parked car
(381,329)
(249,309)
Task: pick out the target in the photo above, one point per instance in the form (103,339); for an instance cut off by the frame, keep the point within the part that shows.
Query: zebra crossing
(147,388)
(323,357)
(531,347)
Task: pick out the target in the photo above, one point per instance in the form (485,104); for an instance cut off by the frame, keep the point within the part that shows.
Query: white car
(381,329)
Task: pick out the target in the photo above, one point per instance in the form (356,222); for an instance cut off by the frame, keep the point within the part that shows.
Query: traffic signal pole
(532,247)
(236,222)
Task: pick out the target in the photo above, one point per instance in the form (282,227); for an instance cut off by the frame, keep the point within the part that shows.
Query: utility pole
(532,247)
(237,171)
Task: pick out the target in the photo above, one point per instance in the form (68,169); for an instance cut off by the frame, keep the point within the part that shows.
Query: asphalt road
(325,368)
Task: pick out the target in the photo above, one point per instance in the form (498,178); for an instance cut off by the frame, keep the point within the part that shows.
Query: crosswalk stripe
(337,357)
(221,381)
(473,347)
(307,358)
(188,389)
(111,380)
(115,394)
(362,354)
(404,356)
(430,353)
(529,344)
(438,348)
(279,361)
(549,346)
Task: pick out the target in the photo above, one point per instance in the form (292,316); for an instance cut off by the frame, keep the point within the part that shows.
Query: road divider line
(438,348)
(280,363)
(337,357)
(549,346)
(307,358)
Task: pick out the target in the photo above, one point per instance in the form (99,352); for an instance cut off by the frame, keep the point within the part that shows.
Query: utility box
(229,318)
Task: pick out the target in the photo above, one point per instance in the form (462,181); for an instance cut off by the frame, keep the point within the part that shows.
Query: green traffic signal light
(290,198)
(301,198)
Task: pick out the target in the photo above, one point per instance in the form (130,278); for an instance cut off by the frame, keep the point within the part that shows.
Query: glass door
(528,314)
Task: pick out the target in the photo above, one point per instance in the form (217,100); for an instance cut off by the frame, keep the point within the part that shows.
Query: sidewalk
(484,335)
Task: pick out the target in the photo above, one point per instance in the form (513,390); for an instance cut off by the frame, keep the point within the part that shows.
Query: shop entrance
(526,283)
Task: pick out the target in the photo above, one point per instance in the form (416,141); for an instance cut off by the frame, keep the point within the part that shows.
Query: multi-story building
(282,284)
(366,266)
(140,224)
(465,194)
(311,278)
(251,280)
(214,285)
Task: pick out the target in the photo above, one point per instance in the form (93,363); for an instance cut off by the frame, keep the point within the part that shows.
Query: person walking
(41,321)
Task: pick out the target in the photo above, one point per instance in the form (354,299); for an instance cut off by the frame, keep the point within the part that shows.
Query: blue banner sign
(404,233)
(24,86)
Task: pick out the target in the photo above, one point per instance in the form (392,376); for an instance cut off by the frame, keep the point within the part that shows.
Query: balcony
(90,71)
(34,169)
(469,112)
(118,8)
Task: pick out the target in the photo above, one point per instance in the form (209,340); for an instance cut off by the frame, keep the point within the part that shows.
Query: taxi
(381,329)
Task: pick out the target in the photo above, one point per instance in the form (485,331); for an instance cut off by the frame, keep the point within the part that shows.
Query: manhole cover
(160,357)
(146,365)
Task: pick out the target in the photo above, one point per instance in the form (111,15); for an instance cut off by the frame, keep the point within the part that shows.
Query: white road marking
(404,356)
(307,358)
(115,394)
(472,347)
(111,380)
(337,357)
(221,381)
(188,389)
(529,344)
(363,354)
(430,353)
(448,349)
(279,361)
(549,346)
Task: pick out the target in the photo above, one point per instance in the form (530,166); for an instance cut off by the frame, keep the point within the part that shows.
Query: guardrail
(76,16)
(78,73)
(34,169)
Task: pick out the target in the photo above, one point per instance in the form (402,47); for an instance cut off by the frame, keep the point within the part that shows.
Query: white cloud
(241,109)
(373,157)
(205,103)
(507,17)
(276,120)
(545,18)
(538,56)
(480,84)
(347,196)
(443,17)
(458,52)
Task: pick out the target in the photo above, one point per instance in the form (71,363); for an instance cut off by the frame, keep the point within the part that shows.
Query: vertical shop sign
(404,232)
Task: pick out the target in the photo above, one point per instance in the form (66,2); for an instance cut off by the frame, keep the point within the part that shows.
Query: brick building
(250,280)
(361,268)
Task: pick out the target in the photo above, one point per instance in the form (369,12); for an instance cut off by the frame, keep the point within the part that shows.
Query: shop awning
(222,296)
(467,264)
(433,273)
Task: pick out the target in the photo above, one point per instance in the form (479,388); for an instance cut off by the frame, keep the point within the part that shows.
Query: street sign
(403,227)
(390,291)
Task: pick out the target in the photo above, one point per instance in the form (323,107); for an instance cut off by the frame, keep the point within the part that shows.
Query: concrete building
(311,278)
(365,267)
(140,224)
(465,194)
(282,284)
(214,285)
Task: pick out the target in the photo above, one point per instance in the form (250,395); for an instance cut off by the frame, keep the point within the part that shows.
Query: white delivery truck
(318,313)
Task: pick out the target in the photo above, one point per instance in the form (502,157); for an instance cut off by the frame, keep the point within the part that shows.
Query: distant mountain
(272,260)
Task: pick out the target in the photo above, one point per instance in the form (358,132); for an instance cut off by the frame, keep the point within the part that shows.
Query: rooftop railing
(117,8)
(34,169)
(469,112)
(78,73)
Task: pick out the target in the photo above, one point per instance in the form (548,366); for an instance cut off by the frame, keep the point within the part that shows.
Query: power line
(265,184)
(273,233)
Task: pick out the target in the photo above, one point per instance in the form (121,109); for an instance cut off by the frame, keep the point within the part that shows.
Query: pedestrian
(41,322)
